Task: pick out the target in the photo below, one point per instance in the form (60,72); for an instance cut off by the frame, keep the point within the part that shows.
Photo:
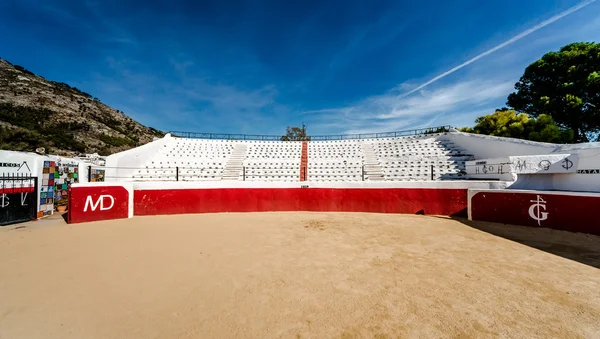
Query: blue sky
(257,66)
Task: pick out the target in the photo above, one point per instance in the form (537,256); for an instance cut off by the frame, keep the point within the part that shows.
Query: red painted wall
(304,162)
(564,212)
(92,203)
(383,200)
(13,190)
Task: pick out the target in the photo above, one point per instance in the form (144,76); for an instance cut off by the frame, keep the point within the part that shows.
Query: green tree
(508,123)
(566,86)
(295,134)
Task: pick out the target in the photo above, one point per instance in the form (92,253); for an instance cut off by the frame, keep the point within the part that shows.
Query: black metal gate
(18,198)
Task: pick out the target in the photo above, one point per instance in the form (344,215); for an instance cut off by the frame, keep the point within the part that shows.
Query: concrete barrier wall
(439,201)
(105,201)
(569,211)
(102,201)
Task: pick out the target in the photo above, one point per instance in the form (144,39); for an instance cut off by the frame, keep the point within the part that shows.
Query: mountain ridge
(36,112)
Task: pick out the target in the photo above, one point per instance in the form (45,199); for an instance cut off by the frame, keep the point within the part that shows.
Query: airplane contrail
(502,45)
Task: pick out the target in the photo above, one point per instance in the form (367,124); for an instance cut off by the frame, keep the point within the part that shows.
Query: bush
(20,140)
(156,132)
(39,133)
(61,202)
(116,141)
(26,117)
(23,69)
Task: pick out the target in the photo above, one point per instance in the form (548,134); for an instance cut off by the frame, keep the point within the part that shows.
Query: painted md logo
(102,199)
(537,210)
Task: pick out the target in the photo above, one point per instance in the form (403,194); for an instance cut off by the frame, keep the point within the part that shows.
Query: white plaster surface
(583,179)
(525,164)
(124,164)
(584,158)
(308,184)
(34,167)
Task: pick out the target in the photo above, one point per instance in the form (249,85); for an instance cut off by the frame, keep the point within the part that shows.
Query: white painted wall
(589,159)
(507,167)
(484,146)
(34,166)
(121,166)
(35,163)
(315,184)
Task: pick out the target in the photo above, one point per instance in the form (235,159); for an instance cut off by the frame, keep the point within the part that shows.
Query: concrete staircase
(373,170)
(304,162)
(235,164)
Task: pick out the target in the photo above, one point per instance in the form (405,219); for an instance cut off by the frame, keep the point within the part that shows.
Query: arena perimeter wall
(569,211)
(102,201)
(485,201)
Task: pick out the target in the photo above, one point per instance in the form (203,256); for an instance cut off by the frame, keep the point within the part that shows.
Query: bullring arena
(427,235)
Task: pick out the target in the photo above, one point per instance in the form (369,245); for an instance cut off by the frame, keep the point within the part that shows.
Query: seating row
(402,158)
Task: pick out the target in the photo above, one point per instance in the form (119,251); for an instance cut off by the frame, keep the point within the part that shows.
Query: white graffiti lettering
(5,200)
(89,202)
(537,210)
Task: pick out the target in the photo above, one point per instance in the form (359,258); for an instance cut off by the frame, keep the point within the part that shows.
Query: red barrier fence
(569,211)
(559,210)
(88,202)
(13,190)
(95,202)
(437,201)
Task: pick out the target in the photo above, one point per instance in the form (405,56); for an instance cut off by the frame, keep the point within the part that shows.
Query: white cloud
(470,93)
(389,112)
(185,101)
(460,98)
(504,44)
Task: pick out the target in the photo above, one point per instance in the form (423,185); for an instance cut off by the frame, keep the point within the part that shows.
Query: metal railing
(18,198)
(252,173)
(16,183)
(226,136)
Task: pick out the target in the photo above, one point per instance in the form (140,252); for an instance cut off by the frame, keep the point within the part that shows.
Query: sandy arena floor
(296,275)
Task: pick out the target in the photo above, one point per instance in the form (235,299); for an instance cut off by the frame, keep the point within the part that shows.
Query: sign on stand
(93,202)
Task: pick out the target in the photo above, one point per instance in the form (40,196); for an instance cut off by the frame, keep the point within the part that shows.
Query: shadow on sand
(581,247)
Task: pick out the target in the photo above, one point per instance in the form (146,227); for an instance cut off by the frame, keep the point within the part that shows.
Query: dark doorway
(18,199)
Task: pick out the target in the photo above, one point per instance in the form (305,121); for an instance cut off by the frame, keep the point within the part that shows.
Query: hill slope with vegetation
(35,112)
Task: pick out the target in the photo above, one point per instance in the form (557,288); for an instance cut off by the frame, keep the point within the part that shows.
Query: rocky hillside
(35,112)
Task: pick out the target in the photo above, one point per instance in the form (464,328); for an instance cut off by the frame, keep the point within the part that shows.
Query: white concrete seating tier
(399,159)
(335,170)
(280,170)
(411,158)
(336,160)
(196,160)
(274,150)
(273,161)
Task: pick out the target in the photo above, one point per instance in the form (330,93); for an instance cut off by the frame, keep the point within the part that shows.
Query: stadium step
(372,168)
(235,164)
(304,162)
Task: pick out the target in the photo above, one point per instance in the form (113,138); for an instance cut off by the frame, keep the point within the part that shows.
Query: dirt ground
(296,275)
